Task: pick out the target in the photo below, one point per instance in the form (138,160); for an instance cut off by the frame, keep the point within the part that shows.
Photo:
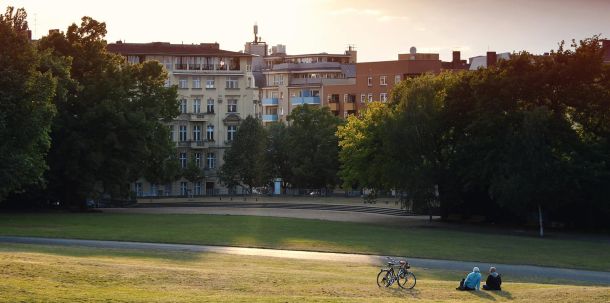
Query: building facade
(216,91)
(293,80)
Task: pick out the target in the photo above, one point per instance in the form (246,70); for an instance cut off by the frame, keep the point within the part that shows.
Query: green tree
(314,148)
(278,151)
(26,110)
(364,162)
(246,162)
(192,172)
(110,124)
(417,140)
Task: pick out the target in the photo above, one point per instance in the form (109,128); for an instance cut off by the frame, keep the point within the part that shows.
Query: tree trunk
(540,221)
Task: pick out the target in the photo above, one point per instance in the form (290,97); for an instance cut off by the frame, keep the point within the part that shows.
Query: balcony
(198,117)
(305,100)
(333,106)
(349,106)
(270,101)
(197,144)
(270,118)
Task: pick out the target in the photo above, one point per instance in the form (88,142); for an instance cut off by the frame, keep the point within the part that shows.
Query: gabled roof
(165,48)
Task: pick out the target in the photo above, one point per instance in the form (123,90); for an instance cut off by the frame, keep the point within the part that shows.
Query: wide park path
(506,269)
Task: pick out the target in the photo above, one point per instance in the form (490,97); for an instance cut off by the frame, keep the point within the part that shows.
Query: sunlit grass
(317,235)
(33,273)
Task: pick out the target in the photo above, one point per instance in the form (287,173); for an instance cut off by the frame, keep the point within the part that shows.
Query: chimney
(491,59)
(456,56)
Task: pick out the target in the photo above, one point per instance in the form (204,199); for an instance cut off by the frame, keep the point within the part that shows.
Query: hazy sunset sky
(379,29)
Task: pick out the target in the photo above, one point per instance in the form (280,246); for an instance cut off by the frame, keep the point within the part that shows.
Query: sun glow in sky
(380,29)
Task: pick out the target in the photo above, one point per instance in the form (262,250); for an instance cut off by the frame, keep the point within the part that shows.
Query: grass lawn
(33,273)
(282,233)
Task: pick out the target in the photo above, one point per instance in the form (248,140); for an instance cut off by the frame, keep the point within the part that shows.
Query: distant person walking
(472,280)
(494,280)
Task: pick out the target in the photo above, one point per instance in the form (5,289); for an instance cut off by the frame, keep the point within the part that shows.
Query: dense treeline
(529,134)
(303,153)
(99,119)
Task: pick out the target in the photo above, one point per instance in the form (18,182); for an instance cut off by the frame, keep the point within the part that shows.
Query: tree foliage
(313,154)
(246,162)
(26,110)
(109,126)
(531,132)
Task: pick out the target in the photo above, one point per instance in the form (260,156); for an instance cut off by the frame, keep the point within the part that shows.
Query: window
(197,106)
(197,83)
(183,188)
(172,130)
(168,83)
(168,189)
(138,189)
(382,80)
(210,106)
(370,97)
(183,83)
(232,105)
(197,188)
(383,97)
(209,83)
(362,98)
(334,98)
(183,160)
(198,159)
(210,133)
(232,82)
(182,132)
(396,79)
(278,80)
(183,106)
(211,163)
(231,130)
(344,98)
(197,133)
(370,81)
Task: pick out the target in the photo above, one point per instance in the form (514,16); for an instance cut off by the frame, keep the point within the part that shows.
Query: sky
(379,29)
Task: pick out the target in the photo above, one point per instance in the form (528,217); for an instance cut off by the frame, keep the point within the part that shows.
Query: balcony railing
(270,118)
(305,100)
(270,101)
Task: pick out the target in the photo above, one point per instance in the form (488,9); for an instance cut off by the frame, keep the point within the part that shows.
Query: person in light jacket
(472,280)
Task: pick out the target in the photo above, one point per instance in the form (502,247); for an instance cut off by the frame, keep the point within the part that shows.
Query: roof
(165,48)
(275,56)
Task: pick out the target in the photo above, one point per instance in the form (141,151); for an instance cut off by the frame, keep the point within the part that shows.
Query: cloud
(380,16)
(388,18)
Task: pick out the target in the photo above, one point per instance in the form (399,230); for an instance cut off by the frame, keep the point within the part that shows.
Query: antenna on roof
(255,32)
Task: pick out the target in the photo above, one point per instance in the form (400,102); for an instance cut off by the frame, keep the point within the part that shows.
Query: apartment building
(216,91)
(293,80)
(375,80)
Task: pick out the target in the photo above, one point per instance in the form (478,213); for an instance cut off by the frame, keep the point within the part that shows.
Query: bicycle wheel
(383,277)
(407,280)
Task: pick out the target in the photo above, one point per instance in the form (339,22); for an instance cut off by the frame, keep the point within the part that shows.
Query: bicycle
(405,278)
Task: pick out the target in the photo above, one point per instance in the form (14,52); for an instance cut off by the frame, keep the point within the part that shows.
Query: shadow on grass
(483,295)
(80,251)
(502,293)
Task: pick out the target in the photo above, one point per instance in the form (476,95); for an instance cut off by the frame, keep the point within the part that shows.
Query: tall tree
(110,124)
(314,146)
(26,110)
(278,151)
(364,162)
(246,162)
(417,140)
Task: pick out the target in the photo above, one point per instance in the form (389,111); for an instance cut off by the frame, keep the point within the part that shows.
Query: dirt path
(507,269)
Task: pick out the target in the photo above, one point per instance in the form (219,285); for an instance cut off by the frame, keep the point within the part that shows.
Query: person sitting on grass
(472,280)
(493,280)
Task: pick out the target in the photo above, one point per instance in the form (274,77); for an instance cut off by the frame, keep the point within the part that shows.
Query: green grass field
(34,273)
(282,233)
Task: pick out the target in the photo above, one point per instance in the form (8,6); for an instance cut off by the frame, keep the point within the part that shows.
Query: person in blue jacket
(472,280)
